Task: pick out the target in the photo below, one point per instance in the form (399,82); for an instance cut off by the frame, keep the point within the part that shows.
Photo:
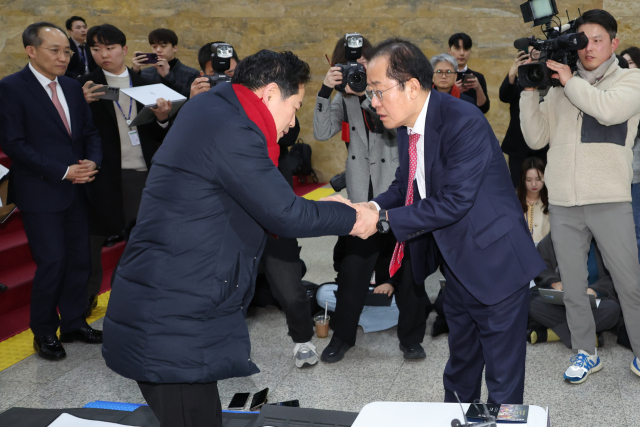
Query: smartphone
(152,58)
(290,403)
(259,399)
(467,77)
(239,400)
(110,93)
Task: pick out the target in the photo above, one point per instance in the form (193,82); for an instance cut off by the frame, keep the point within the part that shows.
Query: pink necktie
(398,252)
(56,103)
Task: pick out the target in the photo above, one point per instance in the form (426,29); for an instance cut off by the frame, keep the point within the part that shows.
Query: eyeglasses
(377,93)
(447,72)
(56,51)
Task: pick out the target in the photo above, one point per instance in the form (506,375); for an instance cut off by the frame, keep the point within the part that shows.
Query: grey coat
(377,158)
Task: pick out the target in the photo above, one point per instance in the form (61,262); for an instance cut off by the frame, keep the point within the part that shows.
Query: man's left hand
(472,83)
(162,109)
(562,71)
(162,66)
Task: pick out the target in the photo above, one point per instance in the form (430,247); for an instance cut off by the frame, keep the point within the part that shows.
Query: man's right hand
(199,85)
(557,286)
(366,222)
(333,77)
(139,59)
(91,94)
(82,173)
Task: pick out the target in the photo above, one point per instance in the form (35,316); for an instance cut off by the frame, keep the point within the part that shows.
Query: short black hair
(467,43)
(634,53)
(204,55)
(31,34)
(163,36)
(106,34)
(600,17)
(406,61)
(284,69)
(73,19)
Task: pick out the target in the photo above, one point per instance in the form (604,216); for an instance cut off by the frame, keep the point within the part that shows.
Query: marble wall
(310,28)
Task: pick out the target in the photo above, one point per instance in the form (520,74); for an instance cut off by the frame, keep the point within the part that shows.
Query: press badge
(134,137)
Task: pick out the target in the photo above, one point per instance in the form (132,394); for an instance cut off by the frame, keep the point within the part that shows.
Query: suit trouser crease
(184,405)
(59,244)
(485,336)
(555,316)
(611,224)
(133,183)
(354,281)
(281,261)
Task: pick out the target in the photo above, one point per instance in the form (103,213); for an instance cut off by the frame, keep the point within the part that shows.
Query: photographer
(590,125)
(514,144)
(168,70)
(370,168)
(201,84)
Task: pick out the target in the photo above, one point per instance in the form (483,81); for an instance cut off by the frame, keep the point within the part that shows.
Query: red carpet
(301,189)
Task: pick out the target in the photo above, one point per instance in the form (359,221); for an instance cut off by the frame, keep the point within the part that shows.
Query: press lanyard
(82,55)
(128,119)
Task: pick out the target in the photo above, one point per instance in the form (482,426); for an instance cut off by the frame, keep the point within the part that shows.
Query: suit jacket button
(353,157)
(382,160)
(353,128)
(408,236)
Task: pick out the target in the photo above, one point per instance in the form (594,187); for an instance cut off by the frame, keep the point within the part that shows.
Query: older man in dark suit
(47,131)
(452,204)
(175,321)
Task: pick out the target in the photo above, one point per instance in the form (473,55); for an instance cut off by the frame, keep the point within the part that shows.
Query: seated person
(534,198)
(552,319)
(445,74)
(372,319)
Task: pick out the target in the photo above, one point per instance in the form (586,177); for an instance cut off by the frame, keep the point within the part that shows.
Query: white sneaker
(635,366)
(583,365)
(305,354)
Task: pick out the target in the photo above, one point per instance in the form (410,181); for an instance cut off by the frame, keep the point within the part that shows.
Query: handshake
(366,216)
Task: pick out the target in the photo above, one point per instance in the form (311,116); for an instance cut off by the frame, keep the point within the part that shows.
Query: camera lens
(357,81)
(535,74)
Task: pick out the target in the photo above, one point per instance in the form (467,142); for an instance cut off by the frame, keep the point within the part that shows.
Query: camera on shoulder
(353,73)
(562,44)
(221,54)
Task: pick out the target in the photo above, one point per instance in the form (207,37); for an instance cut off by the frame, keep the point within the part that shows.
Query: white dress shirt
(418,128)
(464,70)
(45,81)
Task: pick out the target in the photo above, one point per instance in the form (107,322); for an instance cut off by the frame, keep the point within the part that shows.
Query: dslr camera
(562,44)
(353,73)
(221,54)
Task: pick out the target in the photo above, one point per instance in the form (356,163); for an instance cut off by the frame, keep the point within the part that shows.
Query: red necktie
(56,103)
(398,252)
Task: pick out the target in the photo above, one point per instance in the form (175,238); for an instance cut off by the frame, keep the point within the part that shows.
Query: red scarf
(259,114)
(455,91)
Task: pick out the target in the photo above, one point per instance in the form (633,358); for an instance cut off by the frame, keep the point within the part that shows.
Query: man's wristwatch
(383,225)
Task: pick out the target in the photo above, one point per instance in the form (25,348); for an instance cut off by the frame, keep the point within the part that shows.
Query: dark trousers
(554,317)
(184,405)
(354,282)
(485,336)
(133,183)
(59,244)
(282,267)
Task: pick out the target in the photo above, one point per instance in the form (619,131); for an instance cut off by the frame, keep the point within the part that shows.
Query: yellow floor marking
(319,194)
(20,346)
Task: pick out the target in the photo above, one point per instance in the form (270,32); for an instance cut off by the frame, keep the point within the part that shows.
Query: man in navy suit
(47,131)
(452,204)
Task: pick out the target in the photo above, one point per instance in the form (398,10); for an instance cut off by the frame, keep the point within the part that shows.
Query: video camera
(353,73)
(221,54)
(562,44)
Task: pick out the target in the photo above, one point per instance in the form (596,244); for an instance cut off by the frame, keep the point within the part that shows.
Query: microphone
(564,28)
(521,44)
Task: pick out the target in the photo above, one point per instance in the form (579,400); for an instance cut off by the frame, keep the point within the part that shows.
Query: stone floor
(373,370)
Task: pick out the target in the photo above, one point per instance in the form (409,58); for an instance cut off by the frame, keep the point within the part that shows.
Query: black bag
(339,182)
(300,155)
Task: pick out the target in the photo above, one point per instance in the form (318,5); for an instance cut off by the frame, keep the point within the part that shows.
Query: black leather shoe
(335,351)
(85,334)
(439,327)
(113,240)
(414,351)
(49,347)
(92,302)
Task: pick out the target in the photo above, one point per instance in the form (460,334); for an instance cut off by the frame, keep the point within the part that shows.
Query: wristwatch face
(383,226)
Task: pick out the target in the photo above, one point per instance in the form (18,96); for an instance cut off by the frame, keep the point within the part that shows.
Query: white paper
(598,302)
(66,420)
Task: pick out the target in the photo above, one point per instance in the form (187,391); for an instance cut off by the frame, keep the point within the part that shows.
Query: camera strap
(346,133)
